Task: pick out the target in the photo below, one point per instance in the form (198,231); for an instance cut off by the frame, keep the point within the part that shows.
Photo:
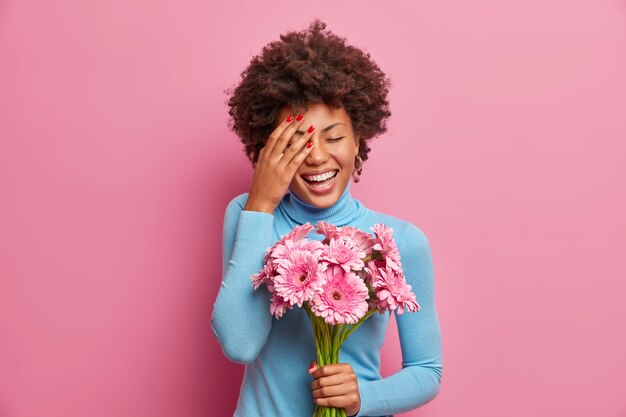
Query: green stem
(345,329)
(336,344)
(325,339)
(358,323)
(322,342)
(316,332)
(328,339)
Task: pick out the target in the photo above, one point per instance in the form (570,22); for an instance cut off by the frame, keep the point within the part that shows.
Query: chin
(323,203)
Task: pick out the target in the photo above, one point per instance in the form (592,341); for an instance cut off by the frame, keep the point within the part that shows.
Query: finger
(286,135)
(297,160)
(313,367)
(332,369)
(332,391)
(341,401)
(276,133)
(296,145)
(327,381)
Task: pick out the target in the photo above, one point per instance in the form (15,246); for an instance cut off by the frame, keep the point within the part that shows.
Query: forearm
(411,387)
(241,319)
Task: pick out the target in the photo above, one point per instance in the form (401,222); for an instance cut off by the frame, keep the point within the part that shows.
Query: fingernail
(312,363)
(289,119)
(311,129)
(300,117)
(308,145)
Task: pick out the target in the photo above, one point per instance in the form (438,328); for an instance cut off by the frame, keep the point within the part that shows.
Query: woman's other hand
(277,164)
(336,386)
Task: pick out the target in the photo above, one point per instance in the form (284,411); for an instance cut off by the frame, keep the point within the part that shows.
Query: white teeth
(320,177)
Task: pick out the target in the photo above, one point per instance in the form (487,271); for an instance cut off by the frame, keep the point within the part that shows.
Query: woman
(305,110)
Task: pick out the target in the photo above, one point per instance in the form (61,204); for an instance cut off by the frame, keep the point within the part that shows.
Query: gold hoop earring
(358,167)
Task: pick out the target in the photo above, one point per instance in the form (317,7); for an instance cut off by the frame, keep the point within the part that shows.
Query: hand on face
(277,164)
(336,386)
(326,171)
(318,174)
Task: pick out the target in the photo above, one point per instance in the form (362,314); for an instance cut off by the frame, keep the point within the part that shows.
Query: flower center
(336,295)
(302,278)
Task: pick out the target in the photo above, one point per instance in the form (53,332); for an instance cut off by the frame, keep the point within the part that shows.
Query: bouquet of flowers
(340,281)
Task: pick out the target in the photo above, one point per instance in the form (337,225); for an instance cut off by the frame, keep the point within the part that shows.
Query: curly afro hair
(313,65)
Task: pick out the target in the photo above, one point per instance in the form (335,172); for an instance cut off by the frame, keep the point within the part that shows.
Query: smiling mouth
(320,181)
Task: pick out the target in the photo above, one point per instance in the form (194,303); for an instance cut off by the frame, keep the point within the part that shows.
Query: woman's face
(326,171)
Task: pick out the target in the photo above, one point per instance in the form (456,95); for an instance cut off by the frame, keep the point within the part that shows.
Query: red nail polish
(311,129)
(289,119)
(308,145)
(300,117)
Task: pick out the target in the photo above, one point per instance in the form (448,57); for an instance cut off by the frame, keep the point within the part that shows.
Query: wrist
(257,206)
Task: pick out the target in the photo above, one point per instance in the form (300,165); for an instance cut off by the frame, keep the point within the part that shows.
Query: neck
(341,213)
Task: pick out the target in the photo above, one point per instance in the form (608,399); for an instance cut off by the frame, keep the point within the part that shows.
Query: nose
(318,154)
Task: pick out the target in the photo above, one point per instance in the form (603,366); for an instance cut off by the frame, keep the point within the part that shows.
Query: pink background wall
(506,146)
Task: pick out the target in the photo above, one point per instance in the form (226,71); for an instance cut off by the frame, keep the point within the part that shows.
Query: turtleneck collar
(344,211)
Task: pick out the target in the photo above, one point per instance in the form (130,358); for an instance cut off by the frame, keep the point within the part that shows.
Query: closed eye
(335,139)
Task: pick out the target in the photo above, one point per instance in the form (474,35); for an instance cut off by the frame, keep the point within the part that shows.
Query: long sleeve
(419,379)
(241,320)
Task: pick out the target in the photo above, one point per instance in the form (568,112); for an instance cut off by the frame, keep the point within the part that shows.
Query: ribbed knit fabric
(277,353)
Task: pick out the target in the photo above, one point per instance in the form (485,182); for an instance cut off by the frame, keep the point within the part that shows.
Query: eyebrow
(327,128)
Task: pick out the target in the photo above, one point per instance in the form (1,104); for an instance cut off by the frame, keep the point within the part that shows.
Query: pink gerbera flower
(393,292)
(299,232)
(264,276)
(328,230)
(371,272)
(281,251)
(292,240)
(364,241)
(342,299)
(387,246)
(344,252)
(279,306)
(298,277)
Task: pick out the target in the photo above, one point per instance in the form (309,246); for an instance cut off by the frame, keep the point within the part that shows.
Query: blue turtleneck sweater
(277,353)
